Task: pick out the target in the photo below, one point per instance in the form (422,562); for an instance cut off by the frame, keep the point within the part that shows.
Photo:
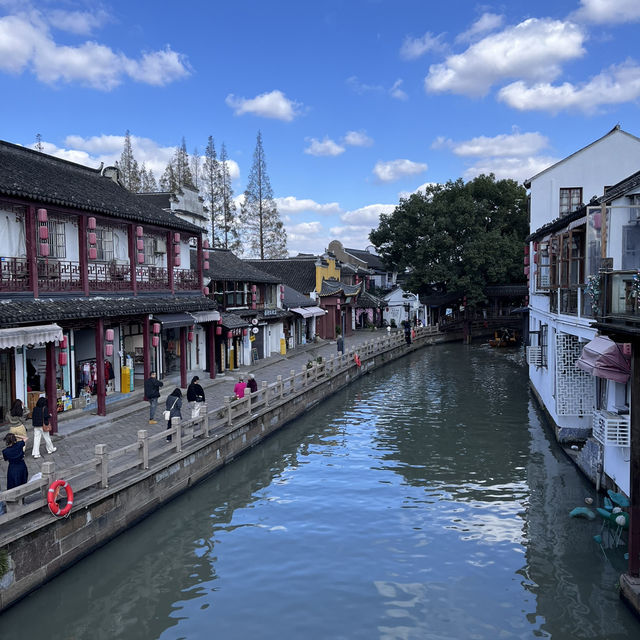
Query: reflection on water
(425,501)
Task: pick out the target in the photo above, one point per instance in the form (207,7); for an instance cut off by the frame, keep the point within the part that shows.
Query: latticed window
(57,242)
(570,199)
(104,244)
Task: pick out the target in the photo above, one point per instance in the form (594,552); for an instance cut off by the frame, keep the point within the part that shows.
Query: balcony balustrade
(570,301)
(14,274)
(619,292)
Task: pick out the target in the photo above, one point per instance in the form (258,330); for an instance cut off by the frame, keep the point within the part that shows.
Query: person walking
(252,385)
(340,344)
(17,472)
(40,420)
(195,397)
(172,407)
(152,393)
(239,387)
(16,419)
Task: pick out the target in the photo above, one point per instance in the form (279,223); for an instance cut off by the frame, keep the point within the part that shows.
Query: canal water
(426,501)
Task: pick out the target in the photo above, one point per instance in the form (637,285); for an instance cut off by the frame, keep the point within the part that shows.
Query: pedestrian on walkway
(195,397)
(340,344)
(239,387)
(152,393)
(41,427)
(173,405)
(252,385)
(17,473)
(16,419)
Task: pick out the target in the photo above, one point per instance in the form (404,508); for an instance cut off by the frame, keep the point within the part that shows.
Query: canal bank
(116,487)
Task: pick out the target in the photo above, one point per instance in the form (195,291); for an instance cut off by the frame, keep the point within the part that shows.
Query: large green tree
(263,230)
(466,235)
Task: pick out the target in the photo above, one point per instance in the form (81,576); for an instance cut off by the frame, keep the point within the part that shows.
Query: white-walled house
(401,305)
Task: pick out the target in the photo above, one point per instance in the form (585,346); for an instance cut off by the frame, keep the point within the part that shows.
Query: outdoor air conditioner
(160,245)
(534,356)
(611,429)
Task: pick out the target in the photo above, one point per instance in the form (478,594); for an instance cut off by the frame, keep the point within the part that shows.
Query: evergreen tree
(212,189)
(229,231)
(195,168)
(178,171)
(168,181)
(148,182)
(129,166)
(264,231)
(39,146)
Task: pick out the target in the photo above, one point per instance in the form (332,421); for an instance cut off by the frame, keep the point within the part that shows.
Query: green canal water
(426,501)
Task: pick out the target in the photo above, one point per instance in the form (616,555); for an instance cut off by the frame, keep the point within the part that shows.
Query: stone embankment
(116,487)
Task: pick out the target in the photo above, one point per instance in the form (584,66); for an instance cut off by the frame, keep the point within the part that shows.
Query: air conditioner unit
(160,245)
(545,281)
(534,356)
(611,429)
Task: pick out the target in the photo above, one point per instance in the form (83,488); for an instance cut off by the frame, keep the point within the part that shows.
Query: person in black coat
(252,385)
(17,473)
(173,406)
(152,393)
(195,396)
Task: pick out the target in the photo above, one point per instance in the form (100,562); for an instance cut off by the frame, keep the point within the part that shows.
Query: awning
(302,311)
(19,336)
(174,320)
(205,316)
(316,311)
(603,358)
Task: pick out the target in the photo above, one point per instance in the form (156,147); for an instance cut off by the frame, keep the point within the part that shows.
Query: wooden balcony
(619,308)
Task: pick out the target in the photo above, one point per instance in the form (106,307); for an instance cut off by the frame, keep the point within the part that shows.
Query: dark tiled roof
(162,200)
(293,298)
(335,287)
(232,320)
(620,188)
(368,301)
(17,311)
(297,273)
(225,265)
(557,224)
(43,179)
(373,261)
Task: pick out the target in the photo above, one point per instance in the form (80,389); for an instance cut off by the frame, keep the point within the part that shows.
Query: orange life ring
(356,359)
(52,497)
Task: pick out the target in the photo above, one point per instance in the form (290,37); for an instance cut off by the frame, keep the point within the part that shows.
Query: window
(630,247)
(543,257)
(104,244)
(570,200)
(57,242)
(544,343)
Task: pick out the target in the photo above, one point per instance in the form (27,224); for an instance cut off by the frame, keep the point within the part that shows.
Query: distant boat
(505,338)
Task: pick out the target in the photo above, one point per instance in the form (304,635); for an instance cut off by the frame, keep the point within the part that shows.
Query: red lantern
(253,287)
(282,296)
(63,342)
(176,237)
(281,288)
(218,330)
(254,305)
(44,249)
(62,359)
(91,223)
(205,244)
(139,232)
(190,336)
(140,258)
(93,253)
(42,215)
(140,244)
(205,291)
(206,265)
(108,349)
(108,334)
(156,328)
(93,239)
(177,261)
(205,255)
(155,341)
(176,249)
(244,332)
(229,334)
(43,232)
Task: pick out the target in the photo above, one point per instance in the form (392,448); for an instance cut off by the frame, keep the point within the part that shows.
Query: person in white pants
(40,418)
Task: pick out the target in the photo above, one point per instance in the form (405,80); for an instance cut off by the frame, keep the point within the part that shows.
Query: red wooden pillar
(31,248)
(50,385)
(146,355)
(101,383)
(183,357)
(211,345)
(199,263)
(170,255)
(634,465)
(84,257)
(133,259)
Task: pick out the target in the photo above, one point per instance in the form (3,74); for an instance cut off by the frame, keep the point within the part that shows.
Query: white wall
(12,236)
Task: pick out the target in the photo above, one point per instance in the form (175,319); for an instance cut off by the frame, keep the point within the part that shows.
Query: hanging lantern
(140,258)
(253,287)
(254,305)
(176,249)
(526,271)
(229,335)
(281,288)
(140,244)
(282,296)
(218,330)
(62,359)
(44,249)
(43,232)
(108,334)
(93,239)
(205,255)
(176,237)
(155,341)
(42,215)
(63,342)
(176,261)
(206,265)
(139,232)
(244,332)
(93,253)
(156,328)
(91,223)
(205,244)
(190,336)
(205,291)
(108,350)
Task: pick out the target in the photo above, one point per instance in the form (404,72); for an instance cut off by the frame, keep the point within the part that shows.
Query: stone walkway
(78,434)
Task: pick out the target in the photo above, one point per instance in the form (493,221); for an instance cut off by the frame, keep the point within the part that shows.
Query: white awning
(206,316)
(302,311)
(20,336)
(316,311)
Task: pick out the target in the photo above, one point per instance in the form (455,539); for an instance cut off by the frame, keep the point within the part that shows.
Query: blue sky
(359,101)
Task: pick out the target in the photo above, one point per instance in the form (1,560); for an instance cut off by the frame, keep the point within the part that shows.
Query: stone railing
(108,467)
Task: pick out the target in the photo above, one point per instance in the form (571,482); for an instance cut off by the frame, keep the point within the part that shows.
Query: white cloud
(292,205)
(533,50)
(398,93)
(518,169)
(325,147)
(79,22)
(607,11)
(514,144)
(485,23)
(421,189)
(305,228)
(618,84)
(351,236)
(26,44)
(367,216)
(413,48)
(361,87)
(397,169)
(273,104)
(357,139)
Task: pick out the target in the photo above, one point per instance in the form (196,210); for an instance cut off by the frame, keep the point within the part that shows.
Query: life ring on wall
(356,359)
(52,497)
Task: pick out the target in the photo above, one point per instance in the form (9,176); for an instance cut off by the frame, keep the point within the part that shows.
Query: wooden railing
(107,467)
